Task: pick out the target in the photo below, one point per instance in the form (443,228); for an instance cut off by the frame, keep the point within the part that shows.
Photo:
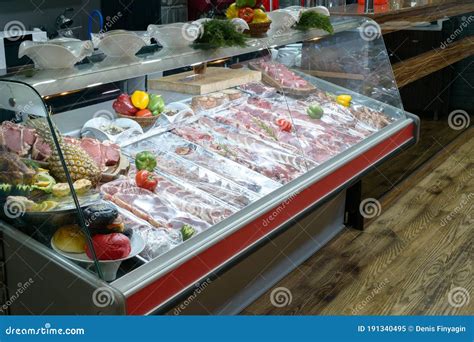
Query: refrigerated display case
(234,171)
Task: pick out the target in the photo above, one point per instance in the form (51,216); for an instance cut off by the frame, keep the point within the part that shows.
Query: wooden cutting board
(215,79)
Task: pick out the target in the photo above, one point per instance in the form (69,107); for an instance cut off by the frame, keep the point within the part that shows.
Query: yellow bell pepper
(140,99)
(259,14)
(344,100)
(232,12)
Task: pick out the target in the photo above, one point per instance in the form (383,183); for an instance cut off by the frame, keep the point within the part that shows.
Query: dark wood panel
(401,14)
(417,67)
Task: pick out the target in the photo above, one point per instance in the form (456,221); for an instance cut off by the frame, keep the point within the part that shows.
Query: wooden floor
(414,259)
(435,135)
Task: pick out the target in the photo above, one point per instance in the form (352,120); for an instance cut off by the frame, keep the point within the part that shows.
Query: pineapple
(79,164)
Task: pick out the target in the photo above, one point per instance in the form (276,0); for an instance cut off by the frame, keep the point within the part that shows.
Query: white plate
(94,127)
(176,35)
(184,111)
(120,43)
(282,21)
(109,267)
(59,53)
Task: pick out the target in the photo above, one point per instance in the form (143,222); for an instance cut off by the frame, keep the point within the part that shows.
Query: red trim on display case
(196,268)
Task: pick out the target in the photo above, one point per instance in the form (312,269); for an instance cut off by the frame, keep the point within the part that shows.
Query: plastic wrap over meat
(245,149)
(182,171)
(258,89)
(149,206)
(191,200)
(157,240)
(320,139)
(224,167)
(292,160)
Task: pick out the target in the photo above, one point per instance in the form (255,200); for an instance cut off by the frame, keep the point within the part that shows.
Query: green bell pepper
(315,111)
(156,104)
(187,231)
(145,161)
(246,3)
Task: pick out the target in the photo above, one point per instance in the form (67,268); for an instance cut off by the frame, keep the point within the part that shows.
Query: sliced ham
(13,138)
(29,136)
(92,147)
(110,153)
(104,153)
(41,150)
(23,140)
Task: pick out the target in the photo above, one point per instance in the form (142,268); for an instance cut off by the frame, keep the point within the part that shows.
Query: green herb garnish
(226,150)
(266,128)
(219,33)
(312,20)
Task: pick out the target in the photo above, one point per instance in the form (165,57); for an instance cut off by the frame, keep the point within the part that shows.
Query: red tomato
(247,14)
(146,180)
(285,125)
(144,113)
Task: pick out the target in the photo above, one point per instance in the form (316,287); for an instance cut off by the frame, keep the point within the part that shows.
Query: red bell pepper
(123,105)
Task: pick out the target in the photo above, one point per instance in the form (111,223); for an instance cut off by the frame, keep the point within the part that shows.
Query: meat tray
(158,240)
(185,172)
(250,151)
(225,168)
(319,140)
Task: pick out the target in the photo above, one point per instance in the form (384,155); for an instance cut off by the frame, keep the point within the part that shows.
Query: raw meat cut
(180,170)
(41,150)
(13,171)
(258,89)
(245,150)
(149,206)
(92,147)
(224,167)
(280,75)
(110,153)
(104,153)
(12,137)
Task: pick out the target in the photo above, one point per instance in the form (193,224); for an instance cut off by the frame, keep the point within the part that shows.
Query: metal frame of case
(160,283)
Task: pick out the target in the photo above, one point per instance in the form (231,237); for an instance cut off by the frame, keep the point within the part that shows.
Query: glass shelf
(50,82)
